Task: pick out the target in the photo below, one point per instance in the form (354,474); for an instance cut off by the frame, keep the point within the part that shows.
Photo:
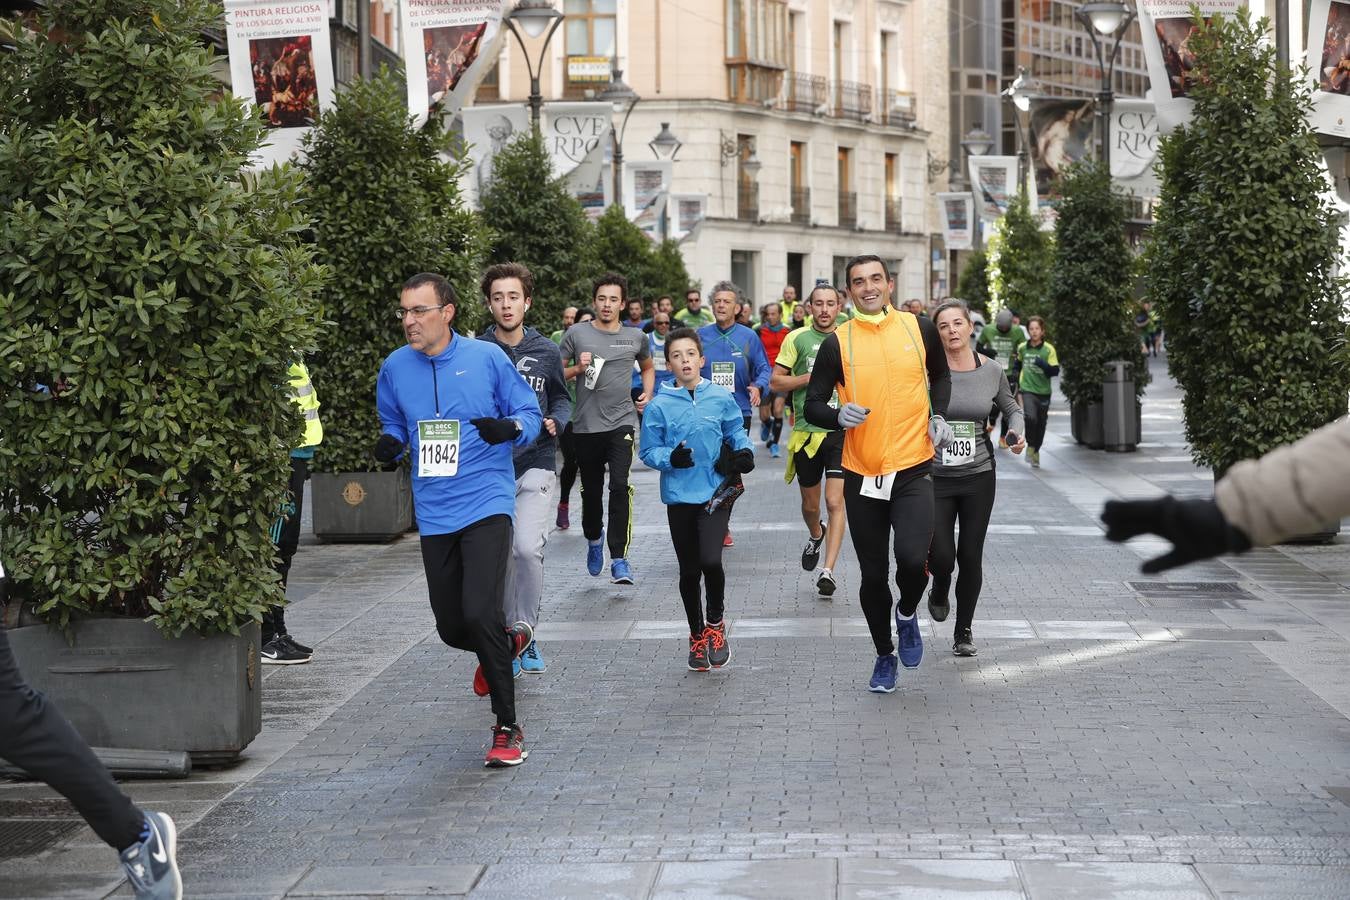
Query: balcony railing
(804,93)
(801,206)
(896,107)
(848,209)
(893,220)
(747,202)
(852,100)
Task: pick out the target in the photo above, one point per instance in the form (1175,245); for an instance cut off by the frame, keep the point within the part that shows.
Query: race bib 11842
(438,448)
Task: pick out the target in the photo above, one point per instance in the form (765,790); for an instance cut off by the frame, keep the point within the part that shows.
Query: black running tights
(567,443)
(1037,410)
(697,535)
(970,500)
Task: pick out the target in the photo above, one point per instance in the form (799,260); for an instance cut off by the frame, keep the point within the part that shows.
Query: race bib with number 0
(438,448)
(724,375)
(878,487)
(961,450)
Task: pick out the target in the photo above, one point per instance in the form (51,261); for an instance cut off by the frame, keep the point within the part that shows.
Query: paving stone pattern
(1109,740)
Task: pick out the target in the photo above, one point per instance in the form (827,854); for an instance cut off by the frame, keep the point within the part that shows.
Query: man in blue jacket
(457,404)
(508,290)
(734,357)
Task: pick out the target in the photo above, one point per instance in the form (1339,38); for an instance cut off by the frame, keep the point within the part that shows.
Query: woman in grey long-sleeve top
(963,473)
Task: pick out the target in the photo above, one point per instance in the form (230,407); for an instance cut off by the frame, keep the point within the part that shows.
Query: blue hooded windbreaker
(702,422)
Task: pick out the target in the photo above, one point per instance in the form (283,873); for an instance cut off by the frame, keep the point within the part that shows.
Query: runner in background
(569,318)
(693,434)
(772,332)
(814,453)
(1003,339)
(1040,363)
(567,446)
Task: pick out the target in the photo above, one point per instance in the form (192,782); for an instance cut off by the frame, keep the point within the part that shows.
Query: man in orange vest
(891,375)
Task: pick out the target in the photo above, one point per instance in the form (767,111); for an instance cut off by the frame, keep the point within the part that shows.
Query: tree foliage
(386,205)
(1242,260)
(537,222)
(152,303)
(973,285)
(651,269)
(1019,258)
(1090,290)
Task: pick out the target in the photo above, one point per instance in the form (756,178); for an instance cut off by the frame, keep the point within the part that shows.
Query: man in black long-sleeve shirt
(893,385)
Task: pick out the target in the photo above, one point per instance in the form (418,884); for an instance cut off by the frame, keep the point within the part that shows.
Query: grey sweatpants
(525,575)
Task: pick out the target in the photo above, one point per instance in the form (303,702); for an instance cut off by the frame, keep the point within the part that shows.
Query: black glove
(682,457)
(1196,528)
(1040,361)
(744,461)
(387,448)
(496,431)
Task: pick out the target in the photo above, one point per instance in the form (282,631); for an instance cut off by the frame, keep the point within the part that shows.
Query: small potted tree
(1243,258)
(152,303)
(1090,296)
(386,205)
(1018,262)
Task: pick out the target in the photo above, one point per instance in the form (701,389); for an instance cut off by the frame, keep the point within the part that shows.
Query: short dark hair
(445,291)
(823,286)
(1033,320)
(695,291)
(615,279)
(508,270)
(584,311)
(863,260)
(683,334)
(665,297)
(631,300)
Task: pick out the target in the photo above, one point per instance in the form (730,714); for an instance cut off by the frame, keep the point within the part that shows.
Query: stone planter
(361,507)
(123,684)
(1085,424)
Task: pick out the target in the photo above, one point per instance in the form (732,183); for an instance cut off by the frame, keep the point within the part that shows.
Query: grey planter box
(361,507)
(123,684)
(1085,424)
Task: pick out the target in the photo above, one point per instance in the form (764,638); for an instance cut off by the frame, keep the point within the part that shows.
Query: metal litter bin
(1120,426)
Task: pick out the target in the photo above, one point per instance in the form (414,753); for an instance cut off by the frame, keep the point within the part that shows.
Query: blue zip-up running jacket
(537,360)
(702,422)
(742,347)
(468,380)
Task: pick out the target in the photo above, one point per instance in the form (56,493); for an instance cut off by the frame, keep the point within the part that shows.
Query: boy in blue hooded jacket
(693,433)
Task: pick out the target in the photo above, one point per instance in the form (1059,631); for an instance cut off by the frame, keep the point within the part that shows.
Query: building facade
(808,125)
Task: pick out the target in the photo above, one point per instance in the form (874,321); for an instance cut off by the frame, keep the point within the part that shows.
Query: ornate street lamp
(534,17)
(977,141)
(623,98)
(1021,92)
(1105,20)
(665,145)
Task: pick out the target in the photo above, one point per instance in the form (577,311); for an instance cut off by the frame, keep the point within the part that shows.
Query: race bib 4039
(961,451)
(438,448)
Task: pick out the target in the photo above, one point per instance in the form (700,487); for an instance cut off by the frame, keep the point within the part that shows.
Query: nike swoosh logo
(460,371)
(159,854)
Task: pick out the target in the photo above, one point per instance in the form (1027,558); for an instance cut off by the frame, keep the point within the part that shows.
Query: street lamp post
(1021,92)
(623,98)
(1105,20)
(533,17)
(664,147)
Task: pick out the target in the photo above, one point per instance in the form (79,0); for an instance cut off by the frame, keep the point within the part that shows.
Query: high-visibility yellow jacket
(303,395)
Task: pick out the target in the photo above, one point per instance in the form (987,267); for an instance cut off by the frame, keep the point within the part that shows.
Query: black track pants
(908,514)
(466,578)
(567,443)
(970,500)
(286,535)
(1036,407)
(697,535)
(612,450)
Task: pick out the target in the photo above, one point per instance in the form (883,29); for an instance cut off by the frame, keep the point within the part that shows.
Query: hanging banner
(449,45)
(1061,134)
(1134,147)
(281,63)
(576,136)
(958,220)
(993,181)
(687,210)
(644,191)
(1166,26)
(1329,60)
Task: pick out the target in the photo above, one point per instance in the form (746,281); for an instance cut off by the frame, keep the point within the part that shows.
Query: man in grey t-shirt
(599,356)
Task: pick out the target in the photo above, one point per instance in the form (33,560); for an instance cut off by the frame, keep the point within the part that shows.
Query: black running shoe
(297,645)
(280,652)
(719,651)
(698,652)
(811,552)
(963,644)
(938,607)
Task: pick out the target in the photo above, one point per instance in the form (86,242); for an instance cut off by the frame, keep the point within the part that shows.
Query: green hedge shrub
(973,285)
(152,303)
(1090,285)
(1242,260)
(385,205)
(651,269)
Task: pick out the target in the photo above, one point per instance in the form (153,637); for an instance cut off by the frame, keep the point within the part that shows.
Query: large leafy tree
(152,302)
(1091,285)
(386,205)
(1019,258)
(651,269)
(973,285)
(1243,259)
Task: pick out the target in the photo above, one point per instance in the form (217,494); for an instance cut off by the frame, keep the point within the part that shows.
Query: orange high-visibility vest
(885,369)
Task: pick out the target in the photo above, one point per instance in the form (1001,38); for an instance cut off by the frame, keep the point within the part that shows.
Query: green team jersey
(798,356)
(694,320)
(1035,381)
(1005,344)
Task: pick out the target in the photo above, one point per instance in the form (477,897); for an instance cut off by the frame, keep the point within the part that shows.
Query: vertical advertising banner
(687,210)
(448,46)
(1166,28)
(281,63)
(958,220)
(1329,60)
(993,181)
(1134,146)
(575,135)
(1061,134)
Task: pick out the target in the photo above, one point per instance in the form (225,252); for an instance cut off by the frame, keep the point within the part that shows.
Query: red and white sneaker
(508,747)
(480,685)
(520,635)
(728,541)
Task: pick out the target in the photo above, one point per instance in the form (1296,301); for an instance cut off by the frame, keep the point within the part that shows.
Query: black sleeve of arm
(827,373)
(939,376)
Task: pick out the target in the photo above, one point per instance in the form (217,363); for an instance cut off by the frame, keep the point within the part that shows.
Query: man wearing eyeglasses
(459,406)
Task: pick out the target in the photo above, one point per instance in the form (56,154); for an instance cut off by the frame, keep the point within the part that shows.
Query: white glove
(851,415)
(939,432)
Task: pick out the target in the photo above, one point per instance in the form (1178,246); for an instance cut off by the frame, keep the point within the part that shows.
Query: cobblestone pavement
(1118,735)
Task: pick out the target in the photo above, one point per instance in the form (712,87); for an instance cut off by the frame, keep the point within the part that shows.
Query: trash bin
(1120,426)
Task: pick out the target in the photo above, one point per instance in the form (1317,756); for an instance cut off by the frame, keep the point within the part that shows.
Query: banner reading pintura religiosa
(449,45)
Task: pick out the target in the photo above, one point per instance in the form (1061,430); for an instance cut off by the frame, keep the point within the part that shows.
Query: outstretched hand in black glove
(682,457)
(743,461)
(387,448)
(496,431)
(734,461)
(1196,528)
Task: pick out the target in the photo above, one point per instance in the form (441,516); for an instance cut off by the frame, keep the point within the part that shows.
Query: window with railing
(589,43)
(852,100)
(804,93)
(758,49)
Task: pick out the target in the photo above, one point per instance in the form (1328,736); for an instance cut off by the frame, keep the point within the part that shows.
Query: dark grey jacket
(536,359)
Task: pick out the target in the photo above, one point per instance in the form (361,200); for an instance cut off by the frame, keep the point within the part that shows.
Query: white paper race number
(438,448)
(878,487)
(961,451)
(724,375)
(593,372)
